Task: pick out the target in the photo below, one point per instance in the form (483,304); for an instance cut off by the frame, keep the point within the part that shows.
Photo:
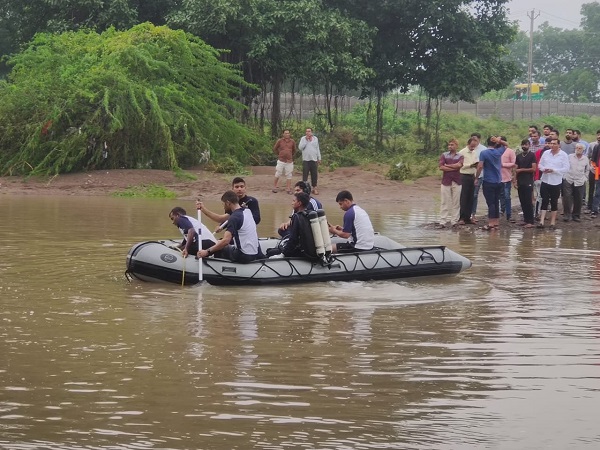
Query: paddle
(183,273)
(200,245)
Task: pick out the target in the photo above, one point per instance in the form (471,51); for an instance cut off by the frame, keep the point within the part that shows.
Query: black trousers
(525,197)
(312,167)
(550,195)
(467,196)
(591,189)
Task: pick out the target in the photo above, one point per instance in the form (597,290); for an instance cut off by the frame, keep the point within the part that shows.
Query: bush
(146,97)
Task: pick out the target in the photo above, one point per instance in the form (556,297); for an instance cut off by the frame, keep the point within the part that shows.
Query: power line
(518,16)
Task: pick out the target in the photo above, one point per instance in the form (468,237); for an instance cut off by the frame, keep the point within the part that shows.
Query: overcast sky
(558,13)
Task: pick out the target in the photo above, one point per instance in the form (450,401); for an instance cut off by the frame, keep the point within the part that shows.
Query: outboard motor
(316,231)
(325,232)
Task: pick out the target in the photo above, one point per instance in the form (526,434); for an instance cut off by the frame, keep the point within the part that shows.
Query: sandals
(461,222)
(489,228)
(529,225)
(274,190)
(290,192)
(315,191)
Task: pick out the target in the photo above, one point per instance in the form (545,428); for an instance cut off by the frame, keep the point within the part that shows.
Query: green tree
(20,20)
(454,49)
(277,41)
(590,17)
(147,97)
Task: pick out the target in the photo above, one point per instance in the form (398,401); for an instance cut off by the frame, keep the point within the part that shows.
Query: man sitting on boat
(313,205)
(238,185)
(357,227)
(240,241)
(300,240)
(189,228)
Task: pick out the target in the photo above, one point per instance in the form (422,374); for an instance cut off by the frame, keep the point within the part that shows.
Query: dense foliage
(298,41)
(156,103)
(149,97)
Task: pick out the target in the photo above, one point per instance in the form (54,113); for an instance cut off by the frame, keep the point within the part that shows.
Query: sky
(558,13)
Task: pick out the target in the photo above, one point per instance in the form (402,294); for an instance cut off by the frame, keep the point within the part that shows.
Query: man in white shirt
(574,184)
(311,158)
(553,165)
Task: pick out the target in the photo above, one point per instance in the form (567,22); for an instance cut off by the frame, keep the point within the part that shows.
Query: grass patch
(146,191)
(183,175)
(227,165)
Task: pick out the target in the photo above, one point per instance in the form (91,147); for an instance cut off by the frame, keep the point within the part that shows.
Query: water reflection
(477,361)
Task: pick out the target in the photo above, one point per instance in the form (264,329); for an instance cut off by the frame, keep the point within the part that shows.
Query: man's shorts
(285,169)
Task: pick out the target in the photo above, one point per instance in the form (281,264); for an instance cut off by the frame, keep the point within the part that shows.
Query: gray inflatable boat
(161,261)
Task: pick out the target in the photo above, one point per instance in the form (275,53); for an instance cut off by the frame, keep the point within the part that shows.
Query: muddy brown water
(505,356)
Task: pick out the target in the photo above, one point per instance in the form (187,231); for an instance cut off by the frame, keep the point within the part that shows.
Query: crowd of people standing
(544,170)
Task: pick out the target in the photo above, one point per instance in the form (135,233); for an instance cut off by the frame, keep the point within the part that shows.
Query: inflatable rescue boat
(162,261)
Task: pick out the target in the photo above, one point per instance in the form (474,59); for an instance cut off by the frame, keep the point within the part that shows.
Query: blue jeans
(505,202)
(596,202)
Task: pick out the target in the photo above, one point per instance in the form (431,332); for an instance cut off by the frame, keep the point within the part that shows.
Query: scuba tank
(316,230)
(324,232)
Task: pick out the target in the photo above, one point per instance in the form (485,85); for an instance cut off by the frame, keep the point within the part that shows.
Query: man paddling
(240,241)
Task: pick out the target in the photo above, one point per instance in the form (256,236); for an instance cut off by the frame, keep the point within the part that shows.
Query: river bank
(368,184)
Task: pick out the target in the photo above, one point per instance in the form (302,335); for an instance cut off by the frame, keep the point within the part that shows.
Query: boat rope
(359,263)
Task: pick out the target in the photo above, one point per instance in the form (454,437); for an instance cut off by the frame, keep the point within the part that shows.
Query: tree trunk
(292,110)
(438,112)
(428,125)
(261,120)
(419,115)
(369,118)
(379,120)
(328,95)
(276,108)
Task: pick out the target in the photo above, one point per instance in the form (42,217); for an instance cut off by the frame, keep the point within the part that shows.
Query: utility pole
(532,17)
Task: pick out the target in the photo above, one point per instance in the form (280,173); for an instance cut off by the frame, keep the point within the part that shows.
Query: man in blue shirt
(490,163)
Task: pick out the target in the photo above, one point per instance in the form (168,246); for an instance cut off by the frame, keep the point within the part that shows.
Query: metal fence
(509,109)
(303,106)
